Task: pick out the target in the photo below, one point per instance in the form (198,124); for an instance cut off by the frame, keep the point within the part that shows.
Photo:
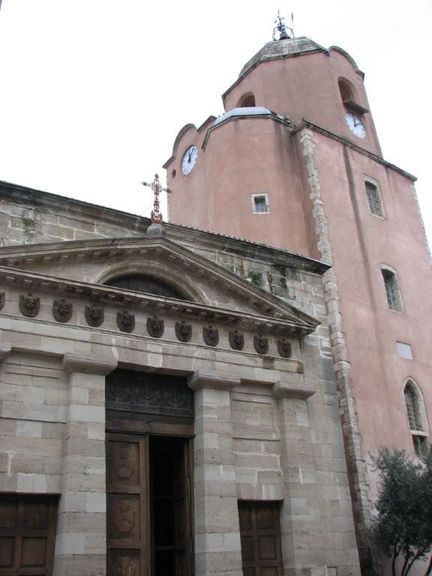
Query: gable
(87,265)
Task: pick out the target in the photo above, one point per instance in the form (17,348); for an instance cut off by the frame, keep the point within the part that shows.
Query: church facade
(168,405)
(295,162)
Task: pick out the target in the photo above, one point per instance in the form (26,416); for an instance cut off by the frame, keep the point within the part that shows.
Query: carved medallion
(62,310)
(94,315)
(29,305)
(2,299)
(284,348)
(124,518)
(124,461)
(183,331)
(210,335)
(124,566)
(261,344)
(236,340)
(155,327)
(125,321)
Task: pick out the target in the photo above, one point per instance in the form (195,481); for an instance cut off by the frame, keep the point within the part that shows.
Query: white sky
(94,92)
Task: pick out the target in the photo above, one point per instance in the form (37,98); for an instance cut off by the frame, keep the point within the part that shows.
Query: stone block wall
(33,405)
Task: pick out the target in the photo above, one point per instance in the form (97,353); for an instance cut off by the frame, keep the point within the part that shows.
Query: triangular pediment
(82,267)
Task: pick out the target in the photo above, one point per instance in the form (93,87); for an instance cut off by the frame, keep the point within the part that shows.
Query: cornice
(277,324)
(175,254)
(306,124)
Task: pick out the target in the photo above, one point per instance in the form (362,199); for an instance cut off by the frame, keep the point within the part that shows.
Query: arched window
(148,284)
(416,418)
(247,100)
(374,198)
(392,291)
(346,91)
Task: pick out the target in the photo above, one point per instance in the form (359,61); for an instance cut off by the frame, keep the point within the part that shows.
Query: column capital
(86,365)
(200,380)
(295,388)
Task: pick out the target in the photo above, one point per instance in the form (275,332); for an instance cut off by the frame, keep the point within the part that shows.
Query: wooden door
(27,534)
(260,538)
(127,505)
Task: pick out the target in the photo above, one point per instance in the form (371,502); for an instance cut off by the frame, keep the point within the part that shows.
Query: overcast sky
(94,92)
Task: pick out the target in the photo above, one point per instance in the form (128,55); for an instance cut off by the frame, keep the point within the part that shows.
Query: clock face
(355,124)
(189,160)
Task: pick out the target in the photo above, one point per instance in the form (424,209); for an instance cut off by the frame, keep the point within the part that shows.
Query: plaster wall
(288,86)
(372,329)
(243,157)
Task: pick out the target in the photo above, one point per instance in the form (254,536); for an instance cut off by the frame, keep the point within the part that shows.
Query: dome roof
(282,49)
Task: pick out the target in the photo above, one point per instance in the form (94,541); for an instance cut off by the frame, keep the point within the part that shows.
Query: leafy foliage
(402,526)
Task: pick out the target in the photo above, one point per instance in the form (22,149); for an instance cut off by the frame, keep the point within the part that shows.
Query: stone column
(81,526)
(217,532)
(302,539)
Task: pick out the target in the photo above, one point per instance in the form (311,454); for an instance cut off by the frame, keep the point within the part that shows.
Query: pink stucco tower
(295,162)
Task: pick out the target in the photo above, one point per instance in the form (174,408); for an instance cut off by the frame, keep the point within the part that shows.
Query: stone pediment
(81,268)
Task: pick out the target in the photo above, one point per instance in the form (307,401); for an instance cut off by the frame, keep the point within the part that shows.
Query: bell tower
(242,171)
(295,162)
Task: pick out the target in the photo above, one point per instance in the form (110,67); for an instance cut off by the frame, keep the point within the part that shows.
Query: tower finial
(156,214)
(280,29)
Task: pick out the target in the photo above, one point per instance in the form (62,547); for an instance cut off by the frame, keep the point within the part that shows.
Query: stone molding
(200,380)
(4,353)
(86,365)
(295,388)
(341,365)
(281,319)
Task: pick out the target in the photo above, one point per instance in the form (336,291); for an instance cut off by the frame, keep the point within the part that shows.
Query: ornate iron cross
(156,214)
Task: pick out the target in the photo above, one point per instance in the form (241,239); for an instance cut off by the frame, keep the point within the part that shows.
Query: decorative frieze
(155,327)
(284,348)
(210,335)
(62,310)
(94,315)
(29,305)
(183,331)
(236,340)
(125,321)
(261,344)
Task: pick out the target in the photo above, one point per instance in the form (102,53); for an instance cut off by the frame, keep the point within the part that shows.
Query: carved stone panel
(151,394)
(29,305)
(94,315)
(236,340)
(2,299)
(211,335)
(183,331)
(261,344)
(125,321)
(284,348)
(155,327)
(62,310)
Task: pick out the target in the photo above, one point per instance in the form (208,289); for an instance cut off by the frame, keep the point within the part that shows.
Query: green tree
(402,524)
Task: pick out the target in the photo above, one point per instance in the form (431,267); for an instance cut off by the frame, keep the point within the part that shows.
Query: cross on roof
(156,214)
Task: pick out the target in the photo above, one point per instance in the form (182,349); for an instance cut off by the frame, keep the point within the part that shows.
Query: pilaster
(217,531)
(81,528)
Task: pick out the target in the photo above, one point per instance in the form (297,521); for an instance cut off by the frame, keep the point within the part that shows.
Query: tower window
(260,204)
(393,295)
(247,100)
(374,199)
(416,418)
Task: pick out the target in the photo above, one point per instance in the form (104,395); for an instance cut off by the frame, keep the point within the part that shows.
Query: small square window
(404,350)
(260,204)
